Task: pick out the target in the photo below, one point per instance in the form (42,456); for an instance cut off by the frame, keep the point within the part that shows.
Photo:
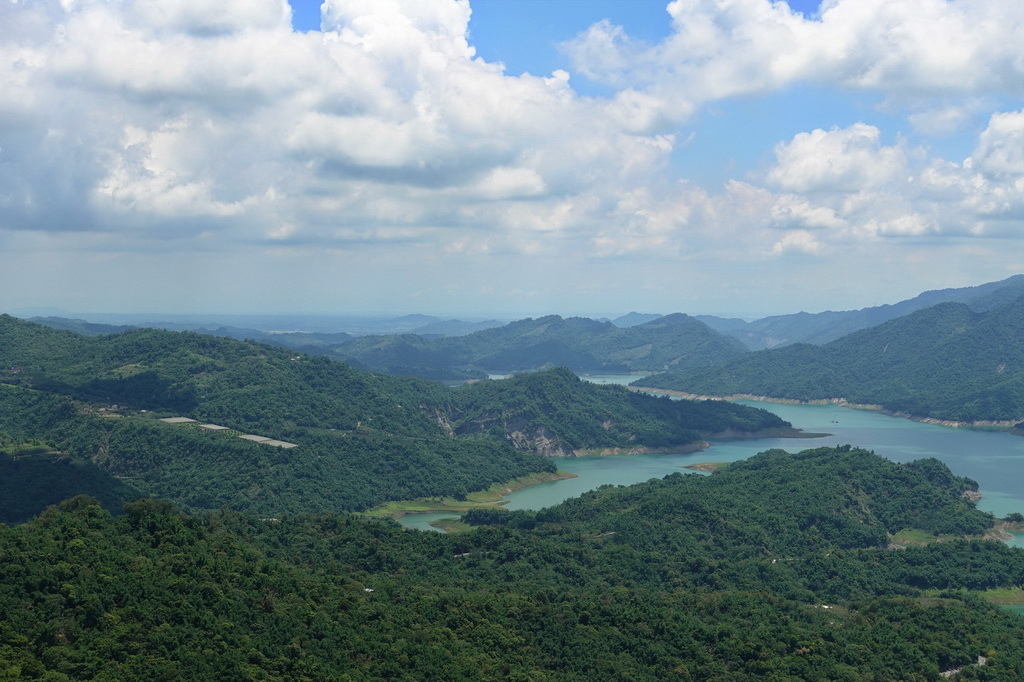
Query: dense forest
(547,411)
(363,438)
(945,362)
(688,577)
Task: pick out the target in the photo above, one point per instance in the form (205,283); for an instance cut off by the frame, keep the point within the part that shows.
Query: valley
(603,532)
(994,459)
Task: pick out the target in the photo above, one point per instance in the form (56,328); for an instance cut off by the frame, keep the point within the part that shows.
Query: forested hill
(581,344)
(820,328)
(945,362)
(362,438)
(689,577)
(557,413)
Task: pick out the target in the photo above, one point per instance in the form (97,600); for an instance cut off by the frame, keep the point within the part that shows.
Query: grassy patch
(914,536)
(451,525)
(1005,596)
(492,497)
(706,466)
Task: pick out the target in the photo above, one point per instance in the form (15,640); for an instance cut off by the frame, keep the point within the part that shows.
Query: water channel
(994,459)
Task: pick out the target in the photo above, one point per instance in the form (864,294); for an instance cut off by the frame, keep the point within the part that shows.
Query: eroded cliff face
(516,429)
(541,441)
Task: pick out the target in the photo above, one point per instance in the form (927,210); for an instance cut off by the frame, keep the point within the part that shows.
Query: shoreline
(841,402)
(492,497)
(638,450)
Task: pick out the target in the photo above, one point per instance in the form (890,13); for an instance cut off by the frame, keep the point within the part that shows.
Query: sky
(507,158)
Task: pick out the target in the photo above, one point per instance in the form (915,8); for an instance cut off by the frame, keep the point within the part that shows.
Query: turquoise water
(422,521)
(620,379)
(994,459)
(1017,540)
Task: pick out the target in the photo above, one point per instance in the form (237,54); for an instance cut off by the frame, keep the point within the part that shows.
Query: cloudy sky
(507,157)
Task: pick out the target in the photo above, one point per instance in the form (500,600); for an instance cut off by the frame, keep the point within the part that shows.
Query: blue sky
(507,157)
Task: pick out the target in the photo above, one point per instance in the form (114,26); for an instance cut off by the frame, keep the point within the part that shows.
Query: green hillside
(689,577)
(362,438)
(820,328)
(581,344)
(945,362)
(557,413)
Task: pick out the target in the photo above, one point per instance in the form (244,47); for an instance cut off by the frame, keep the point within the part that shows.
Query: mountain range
(820,328)
(578,343)
(241,561)
(362,438)
(945,362)
(934,375)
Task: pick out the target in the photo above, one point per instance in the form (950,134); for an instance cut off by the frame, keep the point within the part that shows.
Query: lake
(994,459)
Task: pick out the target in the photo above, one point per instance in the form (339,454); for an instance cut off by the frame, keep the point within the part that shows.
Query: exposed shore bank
(493,497)
(842,402)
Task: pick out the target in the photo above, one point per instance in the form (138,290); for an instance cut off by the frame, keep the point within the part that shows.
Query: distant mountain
(81,326)
(256,326)
(819,328)
(946,362)
(579,343)
(454,327)
(361,438)
(633,319)
(722,324)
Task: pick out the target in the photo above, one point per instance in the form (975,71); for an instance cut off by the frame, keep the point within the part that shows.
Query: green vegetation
(581,344)
(689,577)
(1005,596)
(481,499)
(363,438)
(945,362)
(555,412)
(820,328)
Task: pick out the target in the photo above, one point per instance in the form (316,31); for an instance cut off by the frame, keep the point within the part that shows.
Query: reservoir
(994,459)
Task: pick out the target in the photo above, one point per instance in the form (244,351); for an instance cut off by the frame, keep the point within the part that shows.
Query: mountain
(80,326)
(454,327)
(819,328)
(634,318)
(361,438)
(581,344)
(688,577)
(945,362)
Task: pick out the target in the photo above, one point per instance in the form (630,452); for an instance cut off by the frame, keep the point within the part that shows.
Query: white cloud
(795,211)
(721,48)
(798,240)
(128,125)
(1000,151)
(507,183)
(840,159)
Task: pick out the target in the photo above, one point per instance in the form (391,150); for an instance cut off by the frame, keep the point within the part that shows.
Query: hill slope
(945,362)
(362,438)
(820,328)
(556,413)
(688,577)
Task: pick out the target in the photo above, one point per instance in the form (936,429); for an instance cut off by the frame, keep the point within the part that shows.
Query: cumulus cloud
(846,182)
(798,240)
(726,47)
(840,159)
(128,124)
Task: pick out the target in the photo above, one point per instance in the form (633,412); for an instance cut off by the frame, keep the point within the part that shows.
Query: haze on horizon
(502,158)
